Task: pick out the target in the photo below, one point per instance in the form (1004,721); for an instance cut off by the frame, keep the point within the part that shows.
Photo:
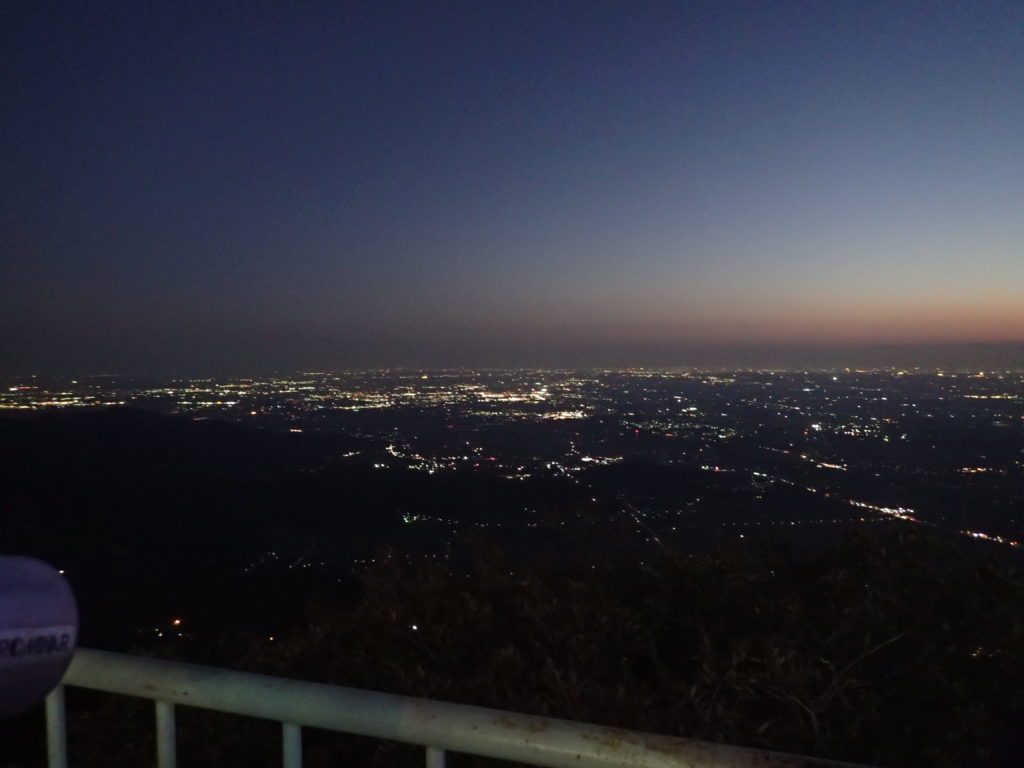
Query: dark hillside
(152,514)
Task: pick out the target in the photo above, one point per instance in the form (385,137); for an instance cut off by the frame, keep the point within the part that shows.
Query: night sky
(241,187)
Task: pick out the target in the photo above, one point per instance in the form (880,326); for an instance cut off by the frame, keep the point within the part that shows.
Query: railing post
(56,729)
(166,744)
(291,740)
(435,757)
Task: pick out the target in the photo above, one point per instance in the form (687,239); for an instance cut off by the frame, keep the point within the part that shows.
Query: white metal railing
(436,725)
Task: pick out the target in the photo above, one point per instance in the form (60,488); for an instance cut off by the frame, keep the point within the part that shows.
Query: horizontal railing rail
(437,726)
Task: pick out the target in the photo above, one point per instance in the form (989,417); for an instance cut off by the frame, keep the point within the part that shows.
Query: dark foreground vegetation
(889,650)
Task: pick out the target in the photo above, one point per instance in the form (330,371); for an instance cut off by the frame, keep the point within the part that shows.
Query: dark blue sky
(206,186)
